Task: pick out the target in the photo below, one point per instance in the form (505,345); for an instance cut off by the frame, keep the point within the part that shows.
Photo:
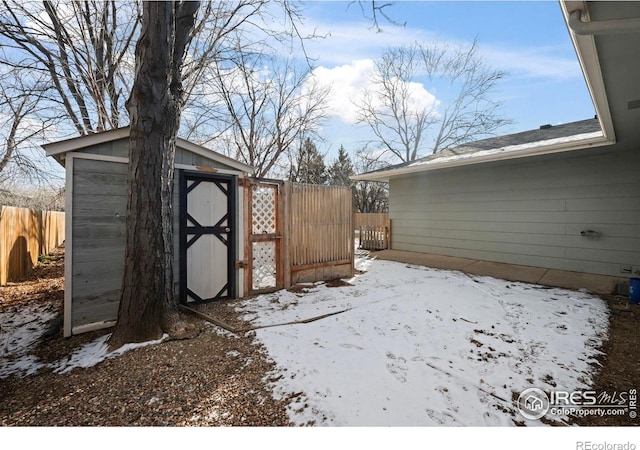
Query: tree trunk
(148,307)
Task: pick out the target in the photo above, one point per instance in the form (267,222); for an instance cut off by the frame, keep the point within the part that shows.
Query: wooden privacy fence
(26,234)
(374,230)
(321,232)
(298,233)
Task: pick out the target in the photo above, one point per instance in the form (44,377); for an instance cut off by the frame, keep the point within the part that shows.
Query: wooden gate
(207,237)
(265,236)
(298,233)
(374,230)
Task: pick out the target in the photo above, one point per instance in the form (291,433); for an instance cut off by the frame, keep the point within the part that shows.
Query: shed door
(207,237)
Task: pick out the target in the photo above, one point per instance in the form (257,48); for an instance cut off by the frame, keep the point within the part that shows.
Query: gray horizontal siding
(99,239)
(120,148)
(99,215)
(527,212)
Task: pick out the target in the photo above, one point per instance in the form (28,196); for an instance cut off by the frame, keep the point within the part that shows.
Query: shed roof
(58,149)
(546,139)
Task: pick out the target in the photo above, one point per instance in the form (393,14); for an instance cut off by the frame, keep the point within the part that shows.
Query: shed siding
(527,212)
(120,148)
(99,214)
(99,239)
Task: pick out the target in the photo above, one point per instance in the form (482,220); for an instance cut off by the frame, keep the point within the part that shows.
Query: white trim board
(120,159)
(68,244)
(93,327)
(57,149)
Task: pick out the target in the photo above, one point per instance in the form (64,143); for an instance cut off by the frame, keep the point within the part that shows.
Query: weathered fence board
(26,234)
(373,219)
(374,230)
(320,237)
(373,237)
(310,238)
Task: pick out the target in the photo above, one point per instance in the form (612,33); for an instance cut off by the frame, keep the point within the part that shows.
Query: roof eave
(587,54)
(76,143)
(435,165)
(58,149)
(205,152)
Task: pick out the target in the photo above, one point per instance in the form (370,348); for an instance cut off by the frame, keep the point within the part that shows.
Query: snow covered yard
(413,346)
(397,345)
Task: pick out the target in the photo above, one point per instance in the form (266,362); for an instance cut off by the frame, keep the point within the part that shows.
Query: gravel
(215,379)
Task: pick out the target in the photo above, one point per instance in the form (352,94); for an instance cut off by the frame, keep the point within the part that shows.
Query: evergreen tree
(308,166)
(341,169)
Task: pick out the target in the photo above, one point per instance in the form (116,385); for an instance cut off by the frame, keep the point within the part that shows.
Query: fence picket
(374,230)
(320,224)
(26,234)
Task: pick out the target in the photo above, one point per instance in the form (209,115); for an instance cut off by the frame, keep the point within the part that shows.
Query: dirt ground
(214,379)
(620,370)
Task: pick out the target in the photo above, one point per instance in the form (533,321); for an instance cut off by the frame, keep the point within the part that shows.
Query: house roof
(605,36)
(546,139)
(58,149)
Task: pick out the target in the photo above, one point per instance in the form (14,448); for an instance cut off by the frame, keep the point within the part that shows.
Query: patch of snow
(421,346)
(220,331)
(97,351)
(20,329)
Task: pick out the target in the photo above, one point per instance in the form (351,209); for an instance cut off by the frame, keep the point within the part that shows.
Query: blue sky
(529,40)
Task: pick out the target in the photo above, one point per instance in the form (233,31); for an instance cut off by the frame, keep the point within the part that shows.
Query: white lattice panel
(264,265)
(263,204)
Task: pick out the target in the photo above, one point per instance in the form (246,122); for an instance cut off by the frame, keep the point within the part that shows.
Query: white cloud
(533,62)
(346,42)
(349,83)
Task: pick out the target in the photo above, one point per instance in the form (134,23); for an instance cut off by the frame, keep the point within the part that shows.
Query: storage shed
(208,225)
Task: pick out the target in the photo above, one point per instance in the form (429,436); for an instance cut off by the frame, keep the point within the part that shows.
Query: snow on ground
(417,346)
(21,328)
(403,345)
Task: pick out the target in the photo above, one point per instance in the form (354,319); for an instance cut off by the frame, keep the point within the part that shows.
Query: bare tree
(82,49)
(85,50)
(19,100)
(374,10)
(407,127)
(84,53)
(370,196)
(269,107)
(44,198)
(148,306)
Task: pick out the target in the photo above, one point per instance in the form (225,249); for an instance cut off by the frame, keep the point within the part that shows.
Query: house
(563,197)
(208,225)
